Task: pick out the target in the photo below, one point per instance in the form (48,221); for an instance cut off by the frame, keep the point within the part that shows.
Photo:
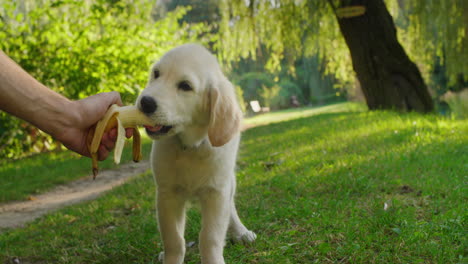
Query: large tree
(388,77)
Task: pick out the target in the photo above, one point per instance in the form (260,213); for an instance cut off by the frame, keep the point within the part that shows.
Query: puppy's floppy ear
(225,114)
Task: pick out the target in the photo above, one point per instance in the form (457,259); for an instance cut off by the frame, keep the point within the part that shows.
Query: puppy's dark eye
(184,86)
(156,74)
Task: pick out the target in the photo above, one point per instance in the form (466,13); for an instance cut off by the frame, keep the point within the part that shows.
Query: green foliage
(269,89)
(279,95)
(80,48)
(200,10)
(434,31)
(332,186)
(240,98)
(18,138)
(458,103)
(269,95)
(252,82)
(288,32)
(287,91)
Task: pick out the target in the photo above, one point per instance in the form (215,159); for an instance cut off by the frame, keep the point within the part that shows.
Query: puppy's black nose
(148,105)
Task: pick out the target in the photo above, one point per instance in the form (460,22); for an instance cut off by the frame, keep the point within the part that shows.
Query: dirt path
(16,214)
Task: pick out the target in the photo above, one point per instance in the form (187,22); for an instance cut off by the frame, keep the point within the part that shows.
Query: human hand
(85,114)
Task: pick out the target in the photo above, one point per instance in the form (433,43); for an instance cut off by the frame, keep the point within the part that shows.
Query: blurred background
(278,54)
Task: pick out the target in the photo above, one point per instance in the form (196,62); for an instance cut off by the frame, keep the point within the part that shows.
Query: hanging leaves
(439,29)
(429,30)
(285,30)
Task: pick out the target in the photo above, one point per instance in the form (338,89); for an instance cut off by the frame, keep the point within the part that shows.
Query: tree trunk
(389,79)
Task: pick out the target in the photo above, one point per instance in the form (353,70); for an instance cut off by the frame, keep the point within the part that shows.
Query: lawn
(333,186)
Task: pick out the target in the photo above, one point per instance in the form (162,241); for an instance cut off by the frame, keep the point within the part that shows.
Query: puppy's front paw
(246,238)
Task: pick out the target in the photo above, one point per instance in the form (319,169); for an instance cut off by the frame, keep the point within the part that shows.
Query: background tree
(388,78)
(288,29)
(264,77)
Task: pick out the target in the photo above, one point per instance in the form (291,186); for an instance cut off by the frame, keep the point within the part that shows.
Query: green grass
(30,176)
(312,188)
(295,113)
(21,178)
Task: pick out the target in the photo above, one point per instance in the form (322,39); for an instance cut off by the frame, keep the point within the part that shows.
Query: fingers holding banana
(108,142)
(124,120)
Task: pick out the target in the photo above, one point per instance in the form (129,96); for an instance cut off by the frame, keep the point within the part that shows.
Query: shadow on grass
(325,181)
(314,189)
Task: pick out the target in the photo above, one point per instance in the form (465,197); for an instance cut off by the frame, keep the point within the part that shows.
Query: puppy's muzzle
(148,106)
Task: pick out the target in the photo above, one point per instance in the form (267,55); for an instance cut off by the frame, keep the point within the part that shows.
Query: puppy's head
(188,92)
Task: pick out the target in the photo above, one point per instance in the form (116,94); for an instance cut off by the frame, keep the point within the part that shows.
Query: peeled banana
(121,117)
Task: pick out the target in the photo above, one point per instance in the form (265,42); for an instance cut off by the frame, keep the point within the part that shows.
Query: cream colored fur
(196,158)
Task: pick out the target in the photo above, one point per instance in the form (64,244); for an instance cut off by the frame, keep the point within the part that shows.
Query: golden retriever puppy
(196,136)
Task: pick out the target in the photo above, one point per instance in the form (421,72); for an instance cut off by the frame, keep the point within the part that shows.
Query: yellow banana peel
(121,117)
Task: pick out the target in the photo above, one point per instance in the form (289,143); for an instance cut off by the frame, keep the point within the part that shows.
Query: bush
(458,103)
(252,83)
(240,98)
(80,48)
(279,95)
(270,96)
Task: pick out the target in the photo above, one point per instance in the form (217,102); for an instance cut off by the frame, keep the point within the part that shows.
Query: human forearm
(28,99)
(69,122)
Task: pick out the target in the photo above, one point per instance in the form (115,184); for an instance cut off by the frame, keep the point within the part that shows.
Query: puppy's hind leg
(239,232)
(171,218)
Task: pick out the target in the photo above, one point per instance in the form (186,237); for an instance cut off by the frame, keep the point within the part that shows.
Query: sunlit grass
(284,115)
(340,187)
(30,176)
